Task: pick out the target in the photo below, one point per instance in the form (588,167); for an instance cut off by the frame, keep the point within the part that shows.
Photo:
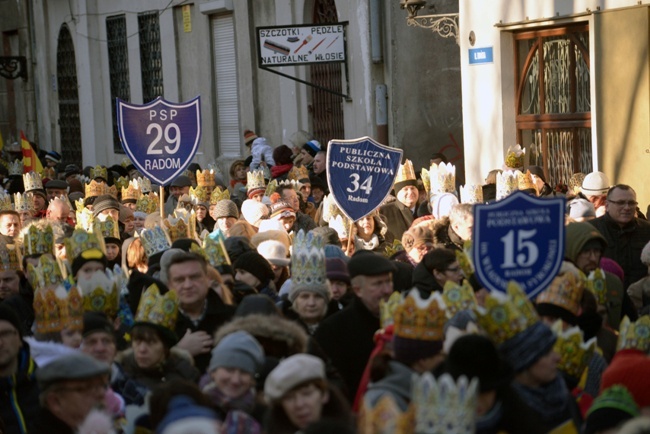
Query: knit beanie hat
(612,407)
(88,256)
(237,246)
(255,264)
(237,350)
(312,147)
(97,322)
(104,202)
(527,347)
(226,208)
(254,212)
(337,270)
(249,136)
(282,155)
(595,184)
(7,314)
(281,209)
(416,236)
(185,416)
(630,368)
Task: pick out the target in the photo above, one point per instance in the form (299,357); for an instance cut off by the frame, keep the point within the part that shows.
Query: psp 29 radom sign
(360,174)
(519,238)
(160,137)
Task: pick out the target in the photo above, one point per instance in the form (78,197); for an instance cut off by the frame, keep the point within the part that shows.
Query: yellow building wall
(621,70)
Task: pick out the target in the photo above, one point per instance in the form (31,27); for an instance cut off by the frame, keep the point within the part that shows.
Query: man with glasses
(71,387)
(18,388)
(626,234)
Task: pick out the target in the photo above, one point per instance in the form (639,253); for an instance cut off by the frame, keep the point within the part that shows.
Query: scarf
(280,170)
(360,244)
(551,401)
(244,403)
(490,420)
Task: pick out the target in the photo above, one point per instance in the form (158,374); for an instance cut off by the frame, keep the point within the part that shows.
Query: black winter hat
(236,246)
(104,202)
(7,314)
(367,263)
(97,322)
(255,264)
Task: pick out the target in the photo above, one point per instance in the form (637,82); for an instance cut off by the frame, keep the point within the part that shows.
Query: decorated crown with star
(308,262)
(101,291)
(84,243)
(10,257)
(154,240)
(575,353)
(58,309)
(442,178)
(161,310)
(255,180)
(405,172)
(458,297)
(507,183)
(32,181)
(131,191)
(471,193)
(99,172)
(634,334)
(148,203)
(421,319)
(46,274)
(218,194)
(38,239)
(205,178)
(215,251)
(24,202)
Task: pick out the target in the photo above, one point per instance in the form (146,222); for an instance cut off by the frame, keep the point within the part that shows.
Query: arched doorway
(326,108)
(66,78)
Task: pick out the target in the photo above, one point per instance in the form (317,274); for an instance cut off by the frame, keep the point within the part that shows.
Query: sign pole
(350,236)
(161,198)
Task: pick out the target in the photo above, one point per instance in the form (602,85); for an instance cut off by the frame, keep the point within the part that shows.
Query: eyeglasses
(6,334)
(631,203)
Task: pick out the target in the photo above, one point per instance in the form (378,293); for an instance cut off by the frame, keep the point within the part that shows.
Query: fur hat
(255,264)
(291,372)
(226,208)
(416,236)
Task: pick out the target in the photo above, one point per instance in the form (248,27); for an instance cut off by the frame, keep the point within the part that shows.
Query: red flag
(30,159)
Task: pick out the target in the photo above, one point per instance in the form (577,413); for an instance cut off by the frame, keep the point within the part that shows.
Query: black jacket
(47,423)
(19,404)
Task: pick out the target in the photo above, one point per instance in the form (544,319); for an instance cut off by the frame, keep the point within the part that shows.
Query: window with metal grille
(225,72)
(118,67)
(150,56)
(553,100)
(66,80)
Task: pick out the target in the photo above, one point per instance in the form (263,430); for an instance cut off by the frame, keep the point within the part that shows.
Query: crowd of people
(249,303)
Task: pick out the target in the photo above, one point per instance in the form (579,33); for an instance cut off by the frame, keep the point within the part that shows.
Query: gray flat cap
(57,183)
(76,366)
(181,181)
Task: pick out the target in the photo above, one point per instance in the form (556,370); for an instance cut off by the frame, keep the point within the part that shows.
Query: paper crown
(95,188)
(15,168)
(426,181)
(464,259)
(442,178)
(32,181)
(48,172)
(112,190)
(106,227)
(341,225)
(144,184)
(38,239)
(215,251)
(85,219)
(45,275)
(525,181)
(200,196)
(597,284)
(255,180)
(421,319)
(394,248)
(101,291)
(122,182)
(5,201)
(405,172)
(154,240)
(10,258)
(148,203)
(634,335)
(330,208)
(515,157)
(161,310)
(24,202)
(296,185)
(82,241)
(205,179)
(271,187)
(308,262)
(182,224)
(471,193)
(298,173)
(506,183)
(437,406)
(565,290)
(458,297)
(506,315)
(131,191)
(99,172)
(57,309)
(387,309)
(219,194)
(575,353)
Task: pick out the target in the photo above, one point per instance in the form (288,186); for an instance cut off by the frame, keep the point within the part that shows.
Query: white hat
(292,372)
(441,204)
(595,184)
(275,252)
(254,212)
(270,225)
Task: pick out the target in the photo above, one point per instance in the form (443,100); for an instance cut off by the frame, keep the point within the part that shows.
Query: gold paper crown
(387,309)
(126,162)
(506,183)
(442,178)
(101,292)
(131,191)
(122,182)
(95,188)
(85,219)
(24,202)
(458,297)
(99,172)
(255,180)
(144,184)
(426,181)
(421,319)
(565,290)
(148,203)
(32,181)
(308,261)
(154,240)
(505,316)
(46,275)
(112,190)
(181,224)
(38,239)
(271,187)
(298,173)
(107,227)
(634,335)
(392,249)
(464,259)
(385,417)
(48,172)
(5,201)
(218,194)
(85,244)
(16,168)
(215,251)
(515,157)
(330,208)
(156,309)
(55,310)
(525,181)
(79,204)
(575,353)
(405,172)
(296,185)
(200,195)
(10,258)
(597,284)
(341,225)
(471,193)
(205,179)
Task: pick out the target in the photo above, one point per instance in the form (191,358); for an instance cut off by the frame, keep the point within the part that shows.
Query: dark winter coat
(19,404)
(177,366)
(424,281)
(47,423)
(397,216)
(23,304)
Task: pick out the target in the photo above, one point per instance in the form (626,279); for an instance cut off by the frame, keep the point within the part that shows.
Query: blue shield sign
(519,238)
(360,174)
(160,137)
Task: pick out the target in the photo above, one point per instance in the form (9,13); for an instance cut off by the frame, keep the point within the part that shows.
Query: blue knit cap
(184,409)
(527,347)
